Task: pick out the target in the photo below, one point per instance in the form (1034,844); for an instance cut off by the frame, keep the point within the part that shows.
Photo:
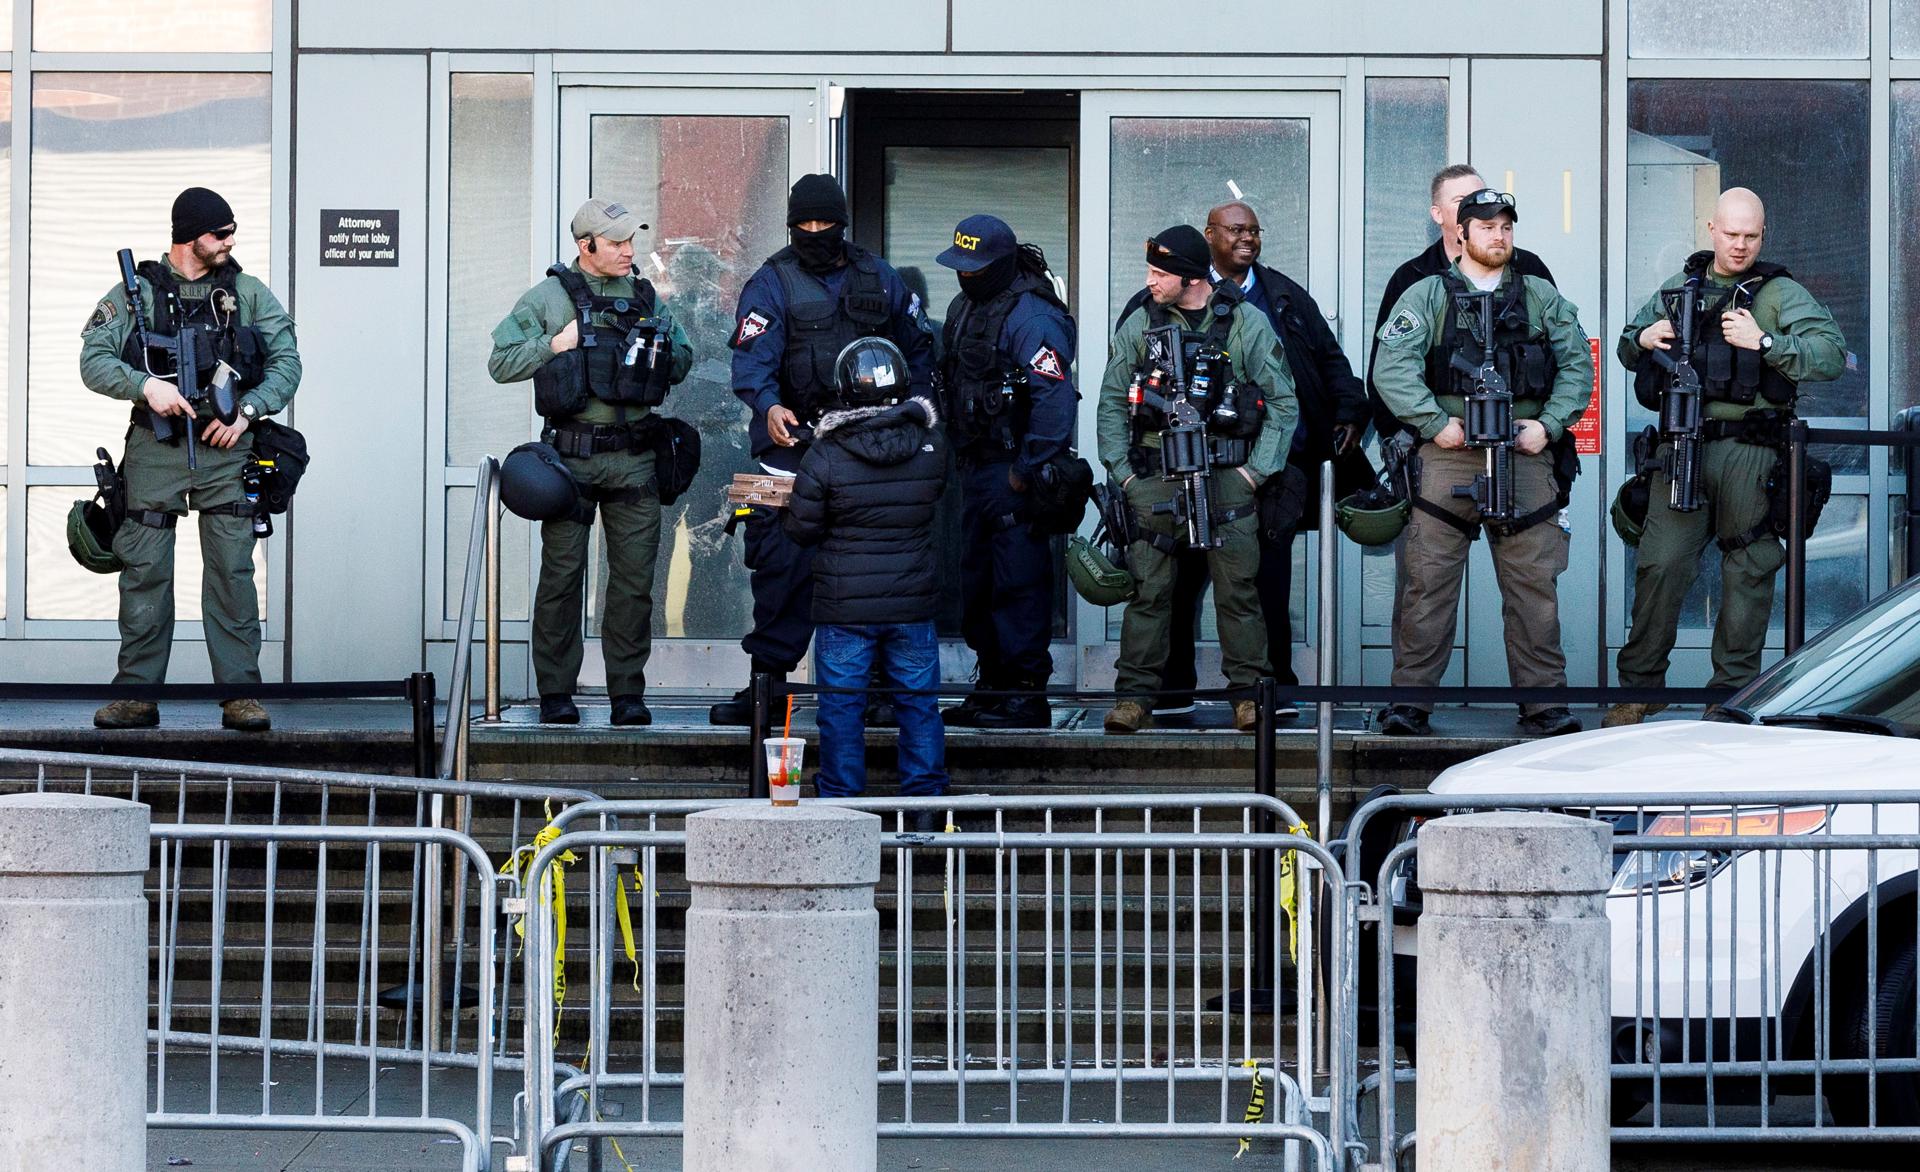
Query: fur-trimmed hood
(881,435)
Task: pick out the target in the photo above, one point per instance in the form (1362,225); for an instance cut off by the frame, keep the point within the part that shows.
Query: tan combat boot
(244,716)
(128,714)
(1621,715)
(1246,716)
(1127,716)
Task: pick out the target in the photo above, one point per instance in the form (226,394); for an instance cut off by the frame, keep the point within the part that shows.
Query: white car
(1731,952)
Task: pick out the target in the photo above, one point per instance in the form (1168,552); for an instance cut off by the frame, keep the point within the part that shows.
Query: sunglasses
(225,233)
(1487,197)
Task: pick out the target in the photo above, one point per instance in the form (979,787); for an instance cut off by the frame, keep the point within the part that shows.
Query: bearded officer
(1758,334)
(602,351)
(245,335)
(1248,402)
(1428,345)
(1008,375)
(795,316)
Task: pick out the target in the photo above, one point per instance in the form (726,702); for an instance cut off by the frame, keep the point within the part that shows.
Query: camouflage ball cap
(606,219)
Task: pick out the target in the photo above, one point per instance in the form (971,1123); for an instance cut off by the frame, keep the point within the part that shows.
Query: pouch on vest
(645,367)
(676,457)
(560,385)
(287,449)
(1282,502)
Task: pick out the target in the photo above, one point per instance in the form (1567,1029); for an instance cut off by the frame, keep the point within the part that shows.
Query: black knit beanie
(816,197)
(1182,251)
(197,210)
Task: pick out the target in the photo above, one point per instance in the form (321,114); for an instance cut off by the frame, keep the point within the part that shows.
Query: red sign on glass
(1586,433)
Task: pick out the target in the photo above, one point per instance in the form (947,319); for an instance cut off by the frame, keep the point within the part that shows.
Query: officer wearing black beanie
(245,338)
(796,314)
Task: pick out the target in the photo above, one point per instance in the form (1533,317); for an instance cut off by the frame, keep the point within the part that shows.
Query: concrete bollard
(73,982)
(783,990)
(1513,994)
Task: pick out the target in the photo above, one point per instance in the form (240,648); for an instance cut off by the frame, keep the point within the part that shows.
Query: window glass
(6,250)
(1870,665)
(1903,283)
(59,588)
(516,535)
(489,258)
(1406,146)
(110,153)
(1906,28)
(1758,29)
(146,26)
(714,190)
(1802,146)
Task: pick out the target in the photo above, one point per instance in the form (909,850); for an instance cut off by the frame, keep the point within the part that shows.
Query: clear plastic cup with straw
(784,755)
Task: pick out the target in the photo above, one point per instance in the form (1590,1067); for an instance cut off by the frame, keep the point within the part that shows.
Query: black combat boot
(973,706)
(738,711)
(558,708)
(1028,711)
(631,709)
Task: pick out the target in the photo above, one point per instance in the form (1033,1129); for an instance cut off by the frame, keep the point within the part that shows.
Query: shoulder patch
(103,315)
(1046,363)
(751,327)
(1403,324)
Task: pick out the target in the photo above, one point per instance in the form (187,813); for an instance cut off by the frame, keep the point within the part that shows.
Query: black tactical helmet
(535,484)
(870,372)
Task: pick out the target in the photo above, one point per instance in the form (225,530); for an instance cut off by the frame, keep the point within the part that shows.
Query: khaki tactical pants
(1236,601)
(633,543)
(158,479)
(1526,564)
(1734,482)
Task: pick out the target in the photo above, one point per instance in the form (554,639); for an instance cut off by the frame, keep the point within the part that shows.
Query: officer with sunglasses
(245,340)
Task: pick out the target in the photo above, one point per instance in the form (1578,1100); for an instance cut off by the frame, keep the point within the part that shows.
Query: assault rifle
(184,346)
(1489,425)
(1680,422)
(1185,455)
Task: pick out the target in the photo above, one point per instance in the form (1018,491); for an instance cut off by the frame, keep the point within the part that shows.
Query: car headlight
(1680,867)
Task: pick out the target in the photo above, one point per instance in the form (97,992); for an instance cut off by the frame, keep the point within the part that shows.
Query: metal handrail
(483,563)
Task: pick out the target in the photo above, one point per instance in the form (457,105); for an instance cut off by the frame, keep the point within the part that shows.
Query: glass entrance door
(708,170)
(1153,159)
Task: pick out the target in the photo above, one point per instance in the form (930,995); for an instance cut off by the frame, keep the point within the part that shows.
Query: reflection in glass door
(708,172)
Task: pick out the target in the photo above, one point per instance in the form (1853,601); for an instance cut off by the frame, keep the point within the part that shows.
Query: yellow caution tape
(517,864)
(1290,896)
(1256,1107)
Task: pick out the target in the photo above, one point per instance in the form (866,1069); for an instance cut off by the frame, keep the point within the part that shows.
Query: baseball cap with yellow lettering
(978,241)
(606,219)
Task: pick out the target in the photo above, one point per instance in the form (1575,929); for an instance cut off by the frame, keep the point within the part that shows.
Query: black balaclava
(820,252)
(987,283)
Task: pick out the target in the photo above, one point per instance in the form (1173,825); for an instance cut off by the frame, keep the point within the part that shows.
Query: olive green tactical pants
(1734,481)
(1526,565)
(633,543)
(158,479)
(1145,624)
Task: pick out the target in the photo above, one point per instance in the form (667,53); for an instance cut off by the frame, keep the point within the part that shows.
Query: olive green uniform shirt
(1414,328)
(102,341)
(1807,346)
(1258,361)
(522,342)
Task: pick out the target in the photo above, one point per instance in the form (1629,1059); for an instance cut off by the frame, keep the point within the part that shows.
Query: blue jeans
(909,654)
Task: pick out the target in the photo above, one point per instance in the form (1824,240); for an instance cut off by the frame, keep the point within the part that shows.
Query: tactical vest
(1522,355)
(988,398)
(819,326)
(216,316)
(1234,412)
(628,361)
(1729,374)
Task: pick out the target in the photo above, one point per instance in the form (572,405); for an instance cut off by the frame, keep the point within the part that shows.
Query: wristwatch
(1766,343)
(250,411)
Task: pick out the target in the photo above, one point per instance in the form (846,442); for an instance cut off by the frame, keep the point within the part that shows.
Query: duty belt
(1767,429)
(155,519)
(581,442)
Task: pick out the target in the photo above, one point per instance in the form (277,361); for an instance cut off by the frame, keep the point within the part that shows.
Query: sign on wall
(1587,432)
(360,238)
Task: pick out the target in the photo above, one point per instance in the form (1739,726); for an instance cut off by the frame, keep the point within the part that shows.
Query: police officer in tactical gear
(1758,334)
(1197,353)
(1429,352)
(1333,414)
(245,340)
(602,350)
(1009,400)
(796,314)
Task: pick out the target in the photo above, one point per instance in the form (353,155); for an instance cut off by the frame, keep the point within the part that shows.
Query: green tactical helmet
(1372,516)
(1629,510)
(1095,578)
(90,538)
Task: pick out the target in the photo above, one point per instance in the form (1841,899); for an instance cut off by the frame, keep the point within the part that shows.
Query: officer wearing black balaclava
(796,314)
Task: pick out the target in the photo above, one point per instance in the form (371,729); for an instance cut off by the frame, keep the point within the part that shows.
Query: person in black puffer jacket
(865,496)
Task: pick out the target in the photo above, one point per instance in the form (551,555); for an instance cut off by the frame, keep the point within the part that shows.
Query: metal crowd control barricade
(1763,981)
(1058,967)
(368,902)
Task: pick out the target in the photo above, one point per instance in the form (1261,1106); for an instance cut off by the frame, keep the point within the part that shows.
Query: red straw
(789,729)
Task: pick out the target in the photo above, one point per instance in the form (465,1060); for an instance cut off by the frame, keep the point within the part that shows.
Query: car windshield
(1866,666)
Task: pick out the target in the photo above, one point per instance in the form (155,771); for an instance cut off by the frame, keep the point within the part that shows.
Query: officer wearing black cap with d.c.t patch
(1237,380)
(796,314)
(1009,400)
